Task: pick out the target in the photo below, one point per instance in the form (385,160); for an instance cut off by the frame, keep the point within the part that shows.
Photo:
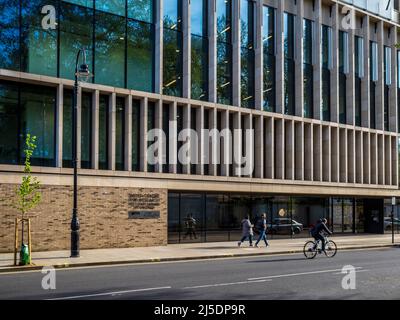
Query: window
(224,51)
(86,130)
(120,134)
(388,83)
(326,47)
(140,45)
(289,65)
(374,79)
(103,132)
(173,48)
(308,68)
(151,124)
(110,49)
(247,53)
(135,135)
(269,58)
(343,71)
(9,35)
(27,109)
(76,32)
(39,46)
(359,74)
(199,38)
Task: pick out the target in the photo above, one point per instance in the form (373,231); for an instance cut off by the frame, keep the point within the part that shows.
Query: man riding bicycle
(317,231)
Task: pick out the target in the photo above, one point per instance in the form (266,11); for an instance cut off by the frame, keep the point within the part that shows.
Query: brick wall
(103,215)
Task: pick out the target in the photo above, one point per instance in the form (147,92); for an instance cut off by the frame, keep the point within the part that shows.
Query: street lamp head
(83,73)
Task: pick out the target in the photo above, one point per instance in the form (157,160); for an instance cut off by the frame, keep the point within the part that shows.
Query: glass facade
(326,48)
(387,83)
(247,53)
(151,124)
(373,82)
(343,70)
(173,48)
(136,135)
(219,215)
(224,51)
(308,68)
(359,74)
(27,109)
(103,132)
(86,130)
(199,38)
(119,47)
(289,65)
(269,59)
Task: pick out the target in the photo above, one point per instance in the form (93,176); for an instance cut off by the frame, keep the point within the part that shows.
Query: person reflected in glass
(190,225)
(247,231)
(262,229)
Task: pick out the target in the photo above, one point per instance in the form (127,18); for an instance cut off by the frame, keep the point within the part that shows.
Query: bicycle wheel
(330,249)
(309,250)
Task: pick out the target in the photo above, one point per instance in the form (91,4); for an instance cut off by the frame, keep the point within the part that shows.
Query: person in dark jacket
(262,229)
(318,229)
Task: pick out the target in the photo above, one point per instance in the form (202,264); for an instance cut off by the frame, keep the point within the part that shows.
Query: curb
(158,260)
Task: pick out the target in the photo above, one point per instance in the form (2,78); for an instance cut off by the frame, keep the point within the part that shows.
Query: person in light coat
(247,229)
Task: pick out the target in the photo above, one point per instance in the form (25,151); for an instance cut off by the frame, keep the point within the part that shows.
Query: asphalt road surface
(285,277)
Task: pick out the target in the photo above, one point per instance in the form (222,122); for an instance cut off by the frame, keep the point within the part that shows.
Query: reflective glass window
(9,35)
(120,134)
(269,58)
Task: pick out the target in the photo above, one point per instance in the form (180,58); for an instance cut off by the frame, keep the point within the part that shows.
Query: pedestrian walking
(247,229)
(190,224)
(262,229)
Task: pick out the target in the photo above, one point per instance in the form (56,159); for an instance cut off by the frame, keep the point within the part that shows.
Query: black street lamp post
(81,72)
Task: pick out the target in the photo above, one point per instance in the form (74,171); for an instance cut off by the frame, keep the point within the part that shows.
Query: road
(264,278)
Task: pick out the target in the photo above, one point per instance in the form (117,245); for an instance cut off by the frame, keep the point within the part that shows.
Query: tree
(28,194)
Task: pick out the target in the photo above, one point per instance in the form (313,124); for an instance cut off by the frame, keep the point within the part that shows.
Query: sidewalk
(179,252)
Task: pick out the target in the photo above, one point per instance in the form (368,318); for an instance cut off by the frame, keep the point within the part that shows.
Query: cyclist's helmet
(324,220)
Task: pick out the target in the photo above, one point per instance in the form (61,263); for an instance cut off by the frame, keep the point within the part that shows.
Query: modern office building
(316,80)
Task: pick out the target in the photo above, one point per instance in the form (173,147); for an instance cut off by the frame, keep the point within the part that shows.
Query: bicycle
(311,248)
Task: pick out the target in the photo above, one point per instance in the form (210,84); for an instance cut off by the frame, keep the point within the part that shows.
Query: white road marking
(226,284)
(298,274)
(357,271)
(110,293)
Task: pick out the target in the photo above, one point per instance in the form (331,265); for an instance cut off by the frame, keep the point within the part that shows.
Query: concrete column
(289,150)
(343,155)
(269,148)
(366,159)
(186,125)
(201,140)
(381,159)
(393,108)
(280,58)
(317,152)
(359,157)
(213,158)
(326,153)
(258,122)
(351,167)
(247,161)
(335,65)
(350,83)
(236,54)
(388,160)
(186,49)
(159,125)
(380,100)
(374,158)
(308,152)
(335,160)
(299,78)
(226,150)
(317,85)
(299,151)
(95,130)
(365,86)
(279,149)
(111,131)
(395,171)
(212,51)
(79,127)
(128,133)
(259,59)
(59,126)
(173,138)
(143,134)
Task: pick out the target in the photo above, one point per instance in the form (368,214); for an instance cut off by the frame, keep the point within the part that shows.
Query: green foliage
(28,194)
